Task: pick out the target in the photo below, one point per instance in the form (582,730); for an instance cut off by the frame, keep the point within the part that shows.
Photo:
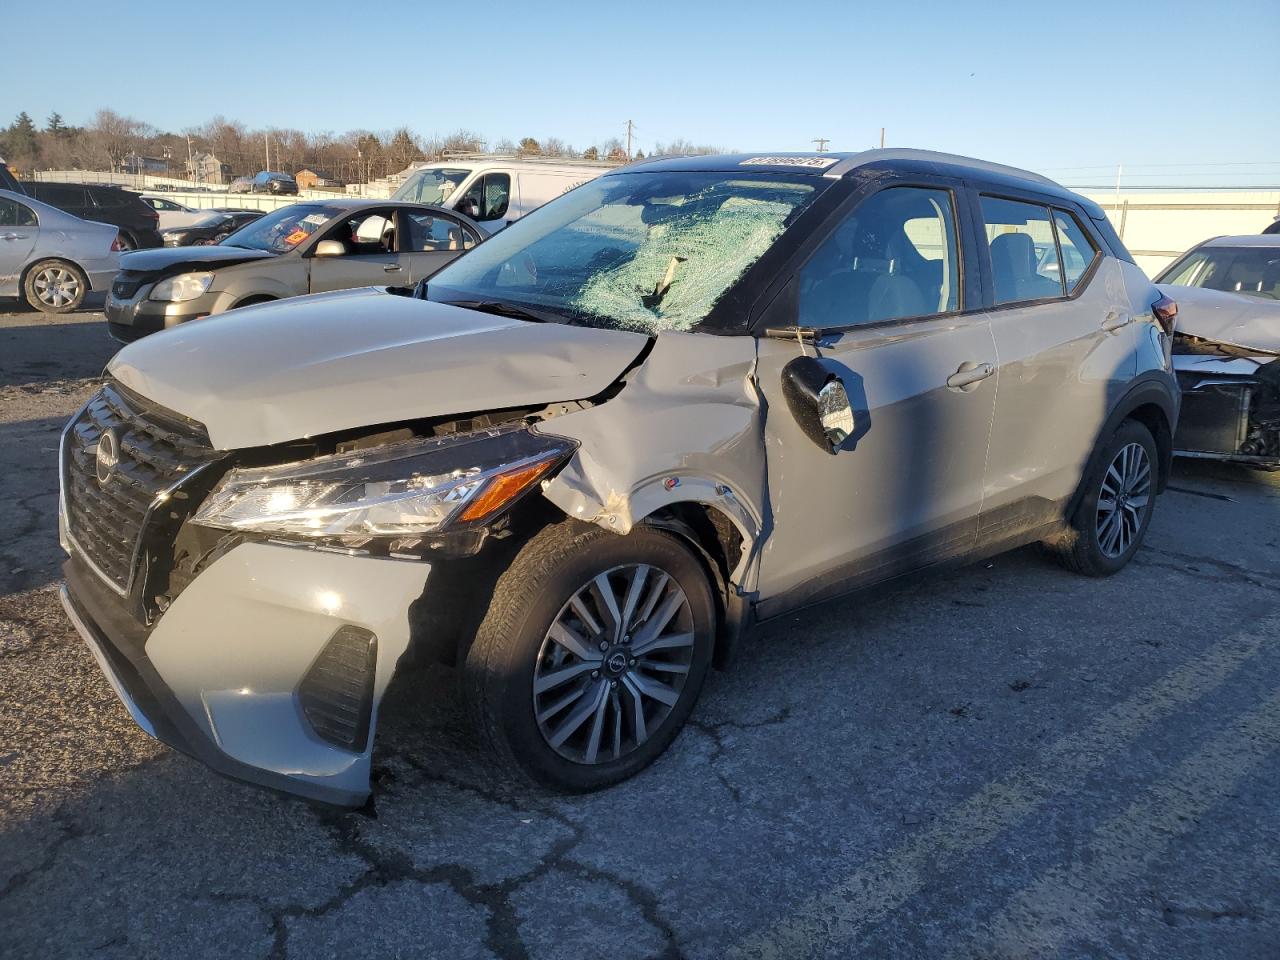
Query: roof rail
(522,157)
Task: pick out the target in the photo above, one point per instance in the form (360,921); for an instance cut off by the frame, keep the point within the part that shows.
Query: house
(207,168)
(309,179)
(136,163)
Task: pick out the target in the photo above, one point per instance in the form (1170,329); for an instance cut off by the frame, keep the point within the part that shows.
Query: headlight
(396,490)
(174,237)
(185,286)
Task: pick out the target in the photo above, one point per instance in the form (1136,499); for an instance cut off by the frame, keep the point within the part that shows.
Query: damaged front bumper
(1230,403)
(268,668)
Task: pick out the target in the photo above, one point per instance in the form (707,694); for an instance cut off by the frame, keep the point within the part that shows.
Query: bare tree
(115,136)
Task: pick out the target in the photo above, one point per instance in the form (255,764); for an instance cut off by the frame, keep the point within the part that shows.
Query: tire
(55,286)
(127,241)
(553,577)
(251,301)
(1099,542)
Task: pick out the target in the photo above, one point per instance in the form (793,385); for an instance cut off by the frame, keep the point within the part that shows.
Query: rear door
(430,240)
(888,292)
(18,234)
(1063,329)
(373,256)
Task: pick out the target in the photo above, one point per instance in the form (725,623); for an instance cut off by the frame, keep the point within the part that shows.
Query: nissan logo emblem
(107,456)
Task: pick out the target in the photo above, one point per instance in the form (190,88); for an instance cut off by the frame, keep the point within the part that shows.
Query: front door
(885,293)
(430,240)
(371,254)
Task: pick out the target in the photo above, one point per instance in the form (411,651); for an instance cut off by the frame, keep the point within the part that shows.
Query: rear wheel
(592,654)
(55,286)
(1112,518)
(126,241)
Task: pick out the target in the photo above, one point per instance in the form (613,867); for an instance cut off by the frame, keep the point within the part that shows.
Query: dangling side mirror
(819,402)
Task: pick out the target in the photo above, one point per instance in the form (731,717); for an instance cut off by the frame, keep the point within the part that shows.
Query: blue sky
(1177,92)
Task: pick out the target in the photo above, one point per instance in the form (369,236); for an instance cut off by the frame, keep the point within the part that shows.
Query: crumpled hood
(361,358)
(1222,317)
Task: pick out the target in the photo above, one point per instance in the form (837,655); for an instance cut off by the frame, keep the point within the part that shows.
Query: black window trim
(1050,204)
(785,289)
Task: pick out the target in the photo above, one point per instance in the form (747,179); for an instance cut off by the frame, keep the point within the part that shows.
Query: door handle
(1114,320)
(970,375)
(391,268)
(13,236)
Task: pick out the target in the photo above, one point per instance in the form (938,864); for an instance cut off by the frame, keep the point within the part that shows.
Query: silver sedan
(51,258)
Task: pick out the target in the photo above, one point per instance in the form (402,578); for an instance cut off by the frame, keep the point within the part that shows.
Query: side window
(1076,247)
(15,214)
(896,256)
(1024,257)
(488,198)
(366,233)
(429,233)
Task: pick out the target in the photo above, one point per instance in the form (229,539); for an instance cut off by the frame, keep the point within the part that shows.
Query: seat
(1013,263)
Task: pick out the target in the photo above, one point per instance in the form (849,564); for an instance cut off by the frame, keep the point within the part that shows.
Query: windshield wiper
(502,309)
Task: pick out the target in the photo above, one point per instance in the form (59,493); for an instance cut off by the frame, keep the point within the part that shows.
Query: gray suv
(585,458)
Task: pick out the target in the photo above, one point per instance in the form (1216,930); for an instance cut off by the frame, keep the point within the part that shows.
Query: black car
(138,223)
(281,184)
(216,227)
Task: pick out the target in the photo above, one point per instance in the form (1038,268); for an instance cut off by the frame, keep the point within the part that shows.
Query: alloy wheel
(613,664)
(56,286)
(1123,500)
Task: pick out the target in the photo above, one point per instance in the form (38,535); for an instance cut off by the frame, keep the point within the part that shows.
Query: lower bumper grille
(337,693)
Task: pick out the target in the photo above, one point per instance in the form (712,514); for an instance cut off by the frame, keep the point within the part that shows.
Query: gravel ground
(1007,761)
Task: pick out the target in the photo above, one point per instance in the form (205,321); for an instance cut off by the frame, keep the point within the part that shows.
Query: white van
(494,191)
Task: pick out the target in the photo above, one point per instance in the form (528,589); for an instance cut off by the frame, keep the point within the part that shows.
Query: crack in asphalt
(70,831)
(715,732)
(502,936)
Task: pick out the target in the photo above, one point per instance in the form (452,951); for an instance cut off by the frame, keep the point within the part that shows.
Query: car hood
(362,358)
(173,259)
(1230,318)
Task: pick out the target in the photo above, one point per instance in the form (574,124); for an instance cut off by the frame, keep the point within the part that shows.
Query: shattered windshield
(643,251)
(431,185)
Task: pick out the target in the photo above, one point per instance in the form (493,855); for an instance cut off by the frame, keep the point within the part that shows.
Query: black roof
(843,165)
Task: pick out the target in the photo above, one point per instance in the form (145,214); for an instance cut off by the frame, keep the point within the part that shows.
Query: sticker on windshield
(316,218)
(819,163)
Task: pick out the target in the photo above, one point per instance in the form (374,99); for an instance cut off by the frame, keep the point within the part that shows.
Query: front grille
(106,510)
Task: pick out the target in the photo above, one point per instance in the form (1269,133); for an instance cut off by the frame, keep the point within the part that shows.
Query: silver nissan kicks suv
(584,459)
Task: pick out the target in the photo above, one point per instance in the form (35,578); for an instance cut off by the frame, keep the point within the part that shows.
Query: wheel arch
(1154,402)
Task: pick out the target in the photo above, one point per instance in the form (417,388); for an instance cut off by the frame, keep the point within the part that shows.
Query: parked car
(1226,350)
(213,226)
(137,222)
(274,183)
(689,396)
(7,180)
(496,191)
(50,258)
(173,214)
(1273,227)
(305,247)
(240,185)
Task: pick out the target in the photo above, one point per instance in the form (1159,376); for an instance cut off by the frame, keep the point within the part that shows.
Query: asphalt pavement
(1004,762)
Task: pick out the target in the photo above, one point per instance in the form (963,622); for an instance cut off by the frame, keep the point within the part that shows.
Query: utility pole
(266,139)
(822,143)
(191,163)
(882,138)
(630,127)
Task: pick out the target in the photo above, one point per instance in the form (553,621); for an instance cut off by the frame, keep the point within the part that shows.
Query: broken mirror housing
(397,490)
(819,401)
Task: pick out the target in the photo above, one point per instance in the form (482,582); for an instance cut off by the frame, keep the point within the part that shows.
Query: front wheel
(55,286)
(1114,513)
(591,655)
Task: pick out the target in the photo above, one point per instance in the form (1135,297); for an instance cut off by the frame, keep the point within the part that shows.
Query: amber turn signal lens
(503,489)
